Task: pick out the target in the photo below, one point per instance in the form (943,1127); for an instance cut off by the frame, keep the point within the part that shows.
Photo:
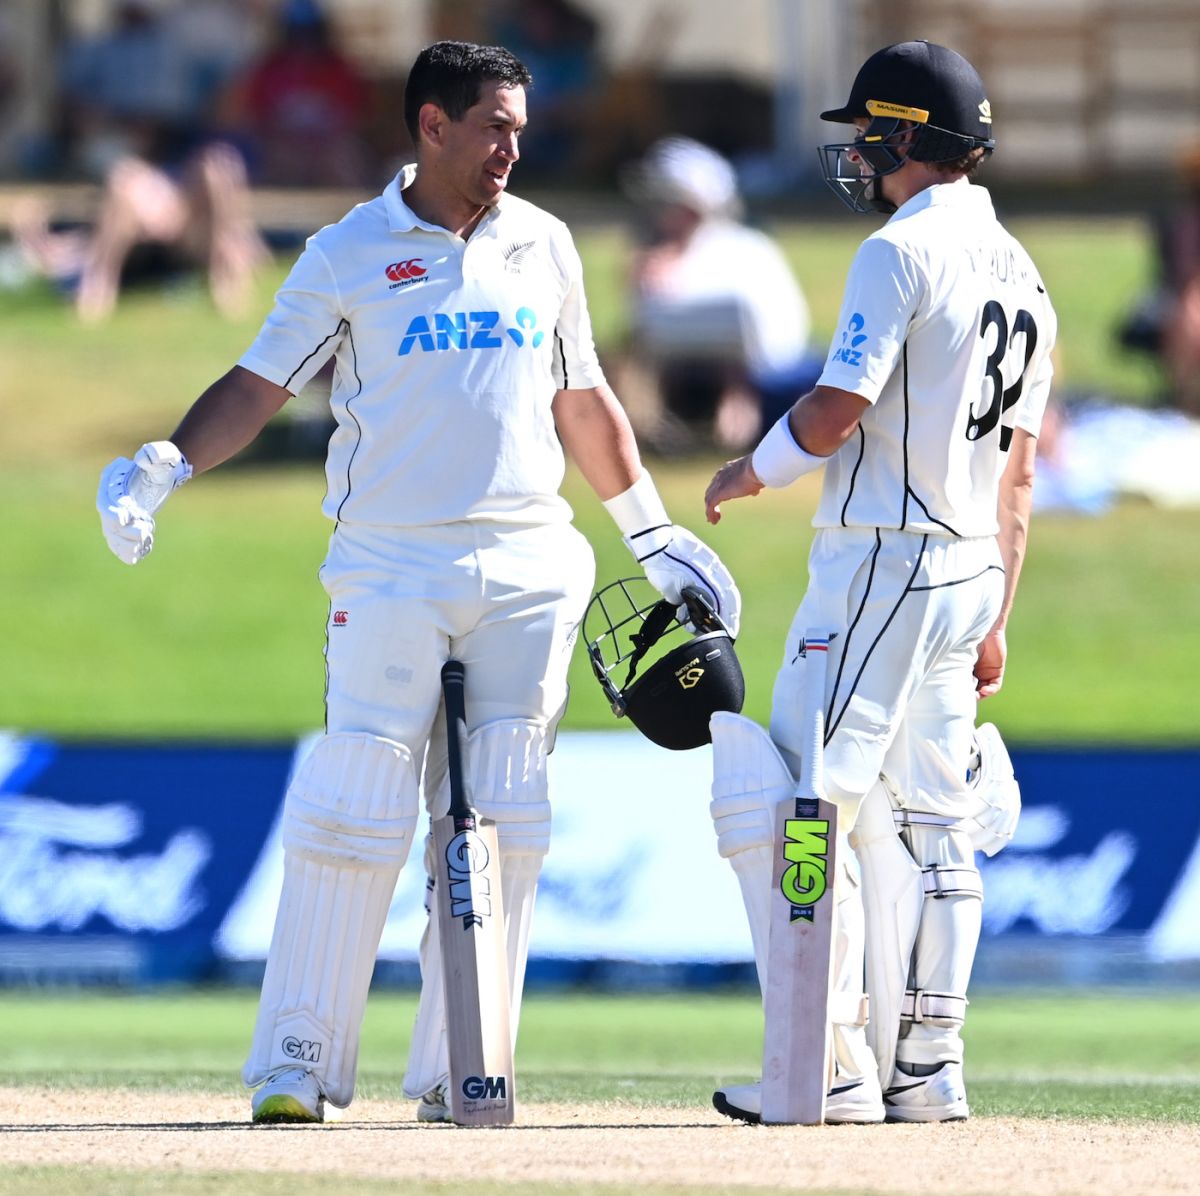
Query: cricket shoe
(940,1096)
(290,1095)
(433,1107)
(851,1102)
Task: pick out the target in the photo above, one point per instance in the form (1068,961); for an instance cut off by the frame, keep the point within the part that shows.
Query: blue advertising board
(140,863)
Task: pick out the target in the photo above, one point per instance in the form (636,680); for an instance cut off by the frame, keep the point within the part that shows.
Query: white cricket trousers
(908,612)
(505,599)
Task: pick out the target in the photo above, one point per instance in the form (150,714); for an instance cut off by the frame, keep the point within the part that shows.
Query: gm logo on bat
(470,893)
(485,1088)
(806,848)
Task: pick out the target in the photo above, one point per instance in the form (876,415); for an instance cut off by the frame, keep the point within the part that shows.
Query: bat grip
(454,675)
(816,653)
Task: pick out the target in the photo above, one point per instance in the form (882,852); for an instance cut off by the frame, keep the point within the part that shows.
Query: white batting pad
(348,823)
(892,898)
(848,1003)
(750,779)
(507,769)
(944,952)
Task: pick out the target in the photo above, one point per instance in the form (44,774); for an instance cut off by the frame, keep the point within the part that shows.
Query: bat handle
(816,652)
(454,676)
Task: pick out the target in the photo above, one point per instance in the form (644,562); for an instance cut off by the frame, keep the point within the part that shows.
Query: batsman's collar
(401,218)
(960,194)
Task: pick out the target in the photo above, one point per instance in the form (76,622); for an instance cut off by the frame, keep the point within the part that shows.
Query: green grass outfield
(219,633)
(1105,1056)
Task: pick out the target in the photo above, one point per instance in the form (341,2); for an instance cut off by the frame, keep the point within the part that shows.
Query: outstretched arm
(221,422)
(817,425)
(227,417)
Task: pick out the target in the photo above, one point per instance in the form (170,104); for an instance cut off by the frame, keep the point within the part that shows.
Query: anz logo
(850,353)
(469,330)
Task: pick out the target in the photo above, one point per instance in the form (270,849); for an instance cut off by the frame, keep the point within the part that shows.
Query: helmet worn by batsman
(668,677)
(914,94)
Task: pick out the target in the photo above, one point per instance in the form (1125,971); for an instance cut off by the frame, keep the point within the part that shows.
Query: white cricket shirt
(448,354)
(946,329)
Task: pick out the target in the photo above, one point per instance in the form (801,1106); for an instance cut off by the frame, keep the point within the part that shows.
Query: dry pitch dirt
(610,1144)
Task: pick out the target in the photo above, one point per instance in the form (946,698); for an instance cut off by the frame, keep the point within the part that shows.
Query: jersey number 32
(997,397)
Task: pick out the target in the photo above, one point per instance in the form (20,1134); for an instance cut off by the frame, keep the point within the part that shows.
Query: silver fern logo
(515,255)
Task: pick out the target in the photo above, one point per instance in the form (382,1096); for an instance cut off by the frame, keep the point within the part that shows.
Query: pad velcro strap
(921,1006)
(938,880)
(849,1009)
(905,818)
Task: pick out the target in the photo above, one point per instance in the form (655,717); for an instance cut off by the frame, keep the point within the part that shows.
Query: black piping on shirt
(909,492)
(562,353)
(862,450)
(354,451)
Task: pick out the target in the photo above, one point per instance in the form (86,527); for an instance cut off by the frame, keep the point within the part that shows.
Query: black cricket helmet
(931,86)
(693,673)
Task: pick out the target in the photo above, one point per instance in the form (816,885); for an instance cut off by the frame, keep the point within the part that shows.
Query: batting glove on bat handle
(131,492)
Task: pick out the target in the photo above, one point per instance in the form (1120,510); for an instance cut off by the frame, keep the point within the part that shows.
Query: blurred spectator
(1166,321)
(1094,451)
(149,223)
(719,346)
(136,106)
(127,91)
(301,109)
(557,40)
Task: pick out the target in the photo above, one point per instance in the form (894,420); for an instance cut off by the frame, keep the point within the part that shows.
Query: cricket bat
(796,1034)
(470,917)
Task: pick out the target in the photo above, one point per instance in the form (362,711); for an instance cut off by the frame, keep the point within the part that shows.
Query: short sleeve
(304,327)
(882,292)
(576,365)
(1032,407)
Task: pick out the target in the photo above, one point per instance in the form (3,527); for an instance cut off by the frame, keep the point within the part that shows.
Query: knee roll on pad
(352,802)
(749,779)
(507,762)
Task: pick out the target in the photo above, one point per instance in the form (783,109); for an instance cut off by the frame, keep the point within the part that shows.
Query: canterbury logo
(985,111)
(399,271)
(341,618)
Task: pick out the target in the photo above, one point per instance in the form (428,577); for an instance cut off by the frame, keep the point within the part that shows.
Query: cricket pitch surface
(598,1144)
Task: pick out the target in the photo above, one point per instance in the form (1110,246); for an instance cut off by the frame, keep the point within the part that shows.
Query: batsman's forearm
(596,434)
(1015,507)
(1015,503)
(227,417)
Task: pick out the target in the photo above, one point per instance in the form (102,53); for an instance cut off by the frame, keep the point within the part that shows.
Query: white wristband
(779,460)
(638,508)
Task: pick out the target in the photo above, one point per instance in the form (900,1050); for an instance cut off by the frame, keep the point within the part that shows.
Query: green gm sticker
(805,879)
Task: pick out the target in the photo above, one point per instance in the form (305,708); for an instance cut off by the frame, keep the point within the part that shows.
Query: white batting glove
(671,556)
(132,491)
